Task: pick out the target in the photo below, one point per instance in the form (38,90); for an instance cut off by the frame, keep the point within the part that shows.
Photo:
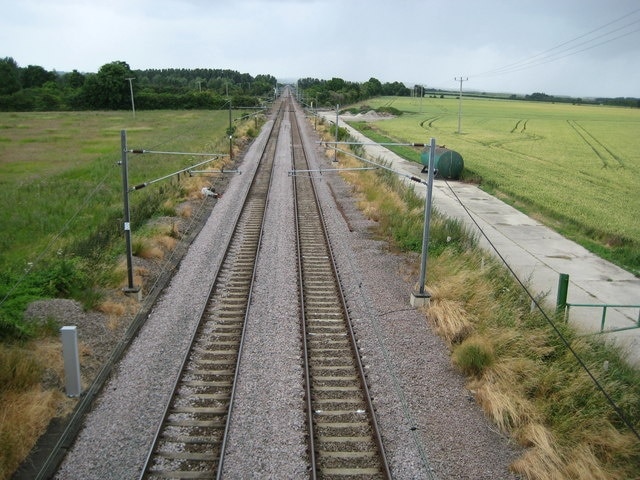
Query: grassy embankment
(61,234)
(520,370)
(575,168)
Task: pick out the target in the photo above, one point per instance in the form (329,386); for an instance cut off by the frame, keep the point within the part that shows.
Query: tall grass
(521,371)
(61,187)
(26,406)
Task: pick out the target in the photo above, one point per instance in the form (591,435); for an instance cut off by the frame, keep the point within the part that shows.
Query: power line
(568,48)
(460,79)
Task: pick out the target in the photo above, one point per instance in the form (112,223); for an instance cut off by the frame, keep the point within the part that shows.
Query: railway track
(343,433)
(190,441)
(341,430)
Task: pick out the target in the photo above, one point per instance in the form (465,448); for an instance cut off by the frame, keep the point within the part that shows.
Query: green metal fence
(563,308)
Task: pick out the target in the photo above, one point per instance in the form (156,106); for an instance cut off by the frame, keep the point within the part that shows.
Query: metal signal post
(421,297)
(131,288)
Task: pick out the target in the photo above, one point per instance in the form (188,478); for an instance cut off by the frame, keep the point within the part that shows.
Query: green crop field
(576,167)
(61,185)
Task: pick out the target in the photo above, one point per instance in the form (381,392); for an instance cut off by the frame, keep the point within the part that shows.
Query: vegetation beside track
(61,235)
(520,370)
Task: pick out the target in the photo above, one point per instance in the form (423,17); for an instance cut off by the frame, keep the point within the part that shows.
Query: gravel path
(430,424)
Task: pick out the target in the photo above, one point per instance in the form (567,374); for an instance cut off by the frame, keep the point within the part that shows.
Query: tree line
(33,88)
(341,92)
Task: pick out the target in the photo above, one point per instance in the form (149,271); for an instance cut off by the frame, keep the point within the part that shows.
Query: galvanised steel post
(127,218)
(563,288)
(427,218)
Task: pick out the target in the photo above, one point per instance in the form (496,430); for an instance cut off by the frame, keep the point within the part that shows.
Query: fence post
(563,287)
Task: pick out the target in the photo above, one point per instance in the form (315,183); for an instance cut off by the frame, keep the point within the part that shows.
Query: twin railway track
(342,433)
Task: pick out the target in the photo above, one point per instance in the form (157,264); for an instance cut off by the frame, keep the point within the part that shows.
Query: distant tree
(263,85)
(108,89)
(335,84)
(372,87)
(9,76)
(539,97)
(72,80)
(396,88)
(35,76)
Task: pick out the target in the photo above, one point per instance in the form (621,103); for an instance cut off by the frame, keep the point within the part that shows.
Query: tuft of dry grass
(111,308)
(185,211)
(540,461)
(25,416)
(166,242)
(150,251)
(449,318)
(506,410)
(584,464)
(544,461)
(26,407)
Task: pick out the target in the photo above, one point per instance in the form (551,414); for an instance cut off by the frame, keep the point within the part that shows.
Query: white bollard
(71,361)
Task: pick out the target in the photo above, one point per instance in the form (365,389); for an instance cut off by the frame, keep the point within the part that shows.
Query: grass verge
(85,260)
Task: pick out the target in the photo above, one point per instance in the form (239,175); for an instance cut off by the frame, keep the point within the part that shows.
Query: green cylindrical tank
(448,163)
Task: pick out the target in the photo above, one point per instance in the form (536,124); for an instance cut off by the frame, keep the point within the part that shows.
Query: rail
(344,437)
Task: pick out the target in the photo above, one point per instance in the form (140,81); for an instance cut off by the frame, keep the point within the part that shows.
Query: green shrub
(58,278)
(473,356)
(390,110)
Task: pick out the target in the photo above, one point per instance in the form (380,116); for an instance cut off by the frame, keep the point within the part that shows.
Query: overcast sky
(583,48)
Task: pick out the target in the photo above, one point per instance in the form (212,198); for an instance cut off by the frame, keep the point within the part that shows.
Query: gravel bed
(431,426)
(267,434)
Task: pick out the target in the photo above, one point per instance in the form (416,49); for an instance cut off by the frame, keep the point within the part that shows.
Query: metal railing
(563,308)
(605,307)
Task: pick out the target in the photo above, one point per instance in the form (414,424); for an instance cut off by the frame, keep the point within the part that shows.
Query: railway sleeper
(187,422)
(353,473)
(199,410)
(182,475)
